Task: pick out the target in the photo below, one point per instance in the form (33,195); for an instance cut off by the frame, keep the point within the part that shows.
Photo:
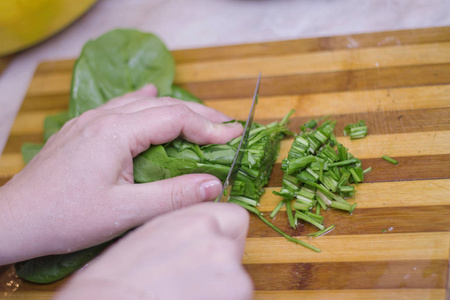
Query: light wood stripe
(385,194)
(349,102)
(349,248)
(364,40)
(317,62)
(37,295)
(357,294)
(32,122)
(400,144)
(11,163)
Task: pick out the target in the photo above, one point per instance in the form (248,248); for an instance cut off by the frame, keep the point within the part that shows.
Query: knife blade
(232,174)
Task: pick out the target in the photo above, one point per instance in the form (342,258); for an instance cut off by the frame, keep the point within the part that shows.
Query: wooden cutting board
(396,243)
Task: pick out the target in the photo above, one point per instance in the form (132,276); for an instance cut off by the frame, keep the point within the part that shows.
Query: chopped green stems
(316,217)
(344,162)
(299,163)
(301,206)
(323,198)
(289,238)
(289,213)
(245,200)
(354,175)
(318,209)
(305,200)
(322,232)
(321,202)
(368,170)
(389,159)
(286,118)
(277,209)
(343,206)
(302,216)
(347,189)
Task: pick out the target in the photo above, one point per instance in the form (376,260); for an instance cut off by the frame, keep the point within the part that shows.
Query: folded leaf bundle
(181,157)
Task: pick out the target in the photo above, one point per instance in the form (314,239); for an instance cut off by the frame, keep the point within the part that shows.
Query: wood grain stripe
(350,248)
(329,81)
(354,275)
(365,40)
(29,125)
(400,144)
(348,294)
(363,221)
(388,195)
(311,105)
(354,80)
(316,62)
(410,168)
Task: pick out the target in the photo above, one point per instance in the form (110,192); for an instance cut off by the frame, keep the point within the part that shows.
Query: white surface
(186,24)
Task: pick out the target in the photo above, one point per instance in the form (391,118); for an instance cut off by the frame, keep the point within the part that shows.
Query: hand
(193,253)
(79,190)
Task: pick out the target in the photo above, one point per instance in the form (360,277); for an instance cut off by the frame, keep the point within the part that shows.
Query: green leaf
(182,94)
(118,62)
(47,269)
(29,150)
(52,124)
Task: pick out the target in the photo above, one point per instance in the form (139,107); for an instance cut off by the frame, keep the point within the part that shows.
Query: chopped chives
(322,232)
(369,169)
(277,209)
(390,159)
(289,238)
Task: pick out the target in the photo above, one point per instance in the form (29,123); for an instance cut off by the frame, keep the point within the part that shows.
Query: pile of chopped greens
(317,174)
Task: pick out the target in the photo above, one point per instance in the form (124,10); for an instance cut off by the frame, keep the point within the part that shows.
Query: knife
(231,177)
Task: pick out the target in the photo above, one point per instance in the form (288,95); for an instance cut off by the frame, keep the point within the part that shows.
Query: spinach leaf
(118,62)
(182,94)
(29,150)
(52,124)
(51,268)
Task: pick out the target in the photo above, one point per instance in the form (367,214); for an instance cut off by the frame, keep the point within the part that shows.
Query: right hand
(193,253)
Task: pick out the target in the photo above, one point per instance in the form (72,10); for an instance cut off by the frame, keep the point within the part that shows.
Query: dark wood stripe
(363,221)
(377,122)
(377,39)
(409,168)
(383,122)
(349,80)
(423,274)
(51,101)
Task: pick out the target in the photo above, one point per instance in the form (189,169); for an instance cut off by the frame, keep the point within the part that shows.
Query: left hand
(79,190)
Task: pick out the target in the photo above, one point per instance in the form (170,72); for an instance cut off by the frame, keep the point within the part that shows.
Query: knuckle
(99,124)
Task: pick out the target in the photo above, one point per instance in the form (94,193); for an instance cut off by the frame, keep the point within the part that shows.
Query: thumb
(154,198)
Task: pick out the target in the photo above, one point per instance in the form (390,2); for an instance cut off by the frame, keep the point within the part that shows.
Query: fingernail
(209,190)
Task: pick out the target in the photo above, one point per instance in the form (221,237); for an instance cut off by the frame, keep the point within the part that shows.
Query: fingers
(154,198)
(192,253)
(163,124)
(147,91)
(144,103)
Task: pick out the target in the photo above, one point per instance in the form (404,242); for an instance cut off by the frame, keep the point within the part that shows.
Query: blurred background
(32,31)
